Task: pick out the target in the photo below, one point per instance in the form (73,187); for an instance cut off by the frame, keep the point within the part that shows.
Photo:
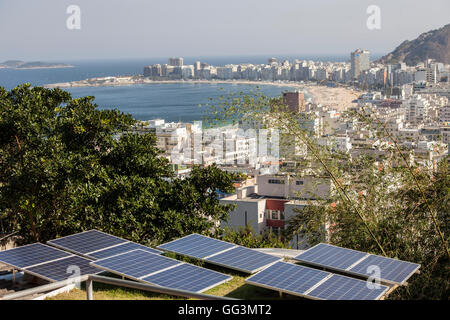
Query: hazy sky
(36,29)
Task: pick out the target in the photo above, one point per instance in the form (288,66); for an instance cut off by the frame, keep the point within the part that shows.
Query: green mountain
(434,44)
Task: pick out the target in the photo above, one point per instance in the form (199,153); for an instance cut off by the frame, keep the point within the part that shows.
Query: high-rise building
(360,61)
(156,70)
(147,71)
(176,62)
(295,101)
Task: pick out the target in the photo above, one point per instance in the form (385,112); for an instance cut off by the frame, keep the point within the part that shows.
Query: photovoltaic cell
(288,277)
(243,259)
(344,288)
(135,264)
(196,246)
(187,277)
(330,256)
(129,246)
(30,255)
(86,242)
(392,270)
(63,269)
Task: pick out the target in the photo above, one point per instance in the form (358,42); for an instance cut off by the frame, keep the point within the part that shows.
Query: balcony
(274,223)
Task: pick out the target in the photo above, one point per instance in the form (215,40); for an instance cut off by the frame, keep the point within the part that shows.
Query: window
(276,181)
(275,215)
(299,182)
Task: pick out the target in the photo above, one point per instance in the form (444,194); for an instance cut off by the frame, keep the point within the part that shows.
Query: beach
(339,98)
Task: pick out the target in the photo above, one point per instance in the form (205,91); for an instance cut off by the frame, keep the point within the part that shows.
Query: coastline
(339,98)
(34,68)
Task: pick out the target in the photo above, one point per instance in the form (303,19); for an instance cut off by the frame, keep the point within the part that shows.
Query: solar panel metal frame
(205,259)
(140,279)
(88,254)
(305,295)
(385,281)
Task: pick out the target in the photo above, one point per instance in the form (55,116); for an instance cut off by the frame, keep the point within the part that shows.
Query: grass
(235,288)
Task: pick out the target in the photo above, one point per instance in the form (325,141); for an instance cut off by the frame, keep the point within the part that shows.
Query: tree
(66,166)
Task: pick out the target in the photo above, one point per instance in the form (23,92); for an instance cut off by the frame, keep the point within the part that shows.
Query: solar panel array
(220,253)
(46,262)
(358,263)
(315,284)
(95,244)
(162,271)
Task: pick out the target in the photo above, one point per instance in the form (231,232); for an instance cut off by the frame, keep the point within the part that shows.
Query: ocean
(171,102)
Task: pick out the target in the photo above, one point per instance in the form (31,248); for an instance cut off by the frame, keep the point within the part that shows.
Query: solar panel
(162,271)
(314,284)
(87,242)
(243,259)
(391,270)
(288,277)
(63,269)
(344,288)
(135,264)
(122,248)
(196,246)
(30,255)
(357,263)
(187,277)
(330,256)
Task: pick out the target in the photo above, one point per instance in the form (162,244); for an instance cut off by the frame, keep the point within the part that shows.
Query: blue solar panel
(86,242)
(312,283)
(129,246)
(135,264)
(63,269)
(196,246)
(358,263)
(391,270)
(243,259)
(187,277)
(330,256)
(30,255)
(344,288)
(288,277)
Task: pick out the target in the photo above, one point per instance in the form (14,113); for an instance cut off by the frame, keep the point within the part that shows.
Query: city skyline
(135,29)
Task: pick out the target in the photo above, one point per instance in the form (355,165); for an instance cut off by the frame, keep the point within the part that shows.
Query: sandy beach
(339,98)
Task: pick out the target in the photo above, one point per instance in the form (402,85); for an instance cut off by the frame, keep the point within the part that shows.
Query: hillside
(433,44)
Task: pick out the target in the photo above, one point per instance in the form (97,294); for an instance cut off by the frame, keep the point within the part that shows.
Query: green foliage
(246,237)
(66,166)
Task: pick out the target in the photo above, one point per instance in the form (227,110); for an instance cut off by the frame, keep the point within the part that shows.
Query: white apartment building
(272,201)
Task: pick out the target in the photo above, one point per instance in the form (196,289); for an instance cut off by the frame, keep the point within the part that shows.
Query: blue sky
(36,30)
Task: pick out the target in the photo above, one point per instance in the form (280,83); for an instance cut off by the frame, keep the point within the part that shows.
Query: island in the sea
(19,64)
